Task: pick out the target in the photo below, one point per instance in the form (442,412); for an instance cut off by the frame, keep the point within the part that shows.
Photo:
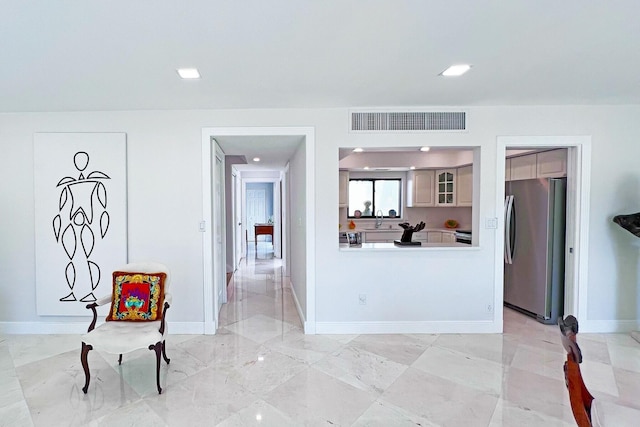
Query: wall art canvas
(80,186)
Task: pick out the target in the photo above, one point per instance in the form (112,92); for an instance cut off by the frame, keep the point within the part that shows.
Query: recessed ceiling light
(358,150)
(456,70)
(189,73)
(256,159)
(425,148)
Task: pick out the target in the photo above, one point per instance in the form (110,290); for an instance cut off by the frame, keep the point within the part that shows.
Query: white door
(256,210)
(219,265)
(237,224)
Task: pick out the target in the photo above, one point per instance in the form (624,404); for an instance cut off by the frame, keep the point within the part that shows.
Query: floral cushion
(137,296)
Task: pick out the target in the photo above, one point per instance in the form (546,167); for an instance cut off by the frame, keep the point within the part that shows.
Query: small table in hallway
(263,229)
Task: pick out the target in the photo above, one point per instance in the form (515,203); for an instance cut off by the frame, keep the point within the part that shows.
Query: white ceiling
(78,55)
(122,55)
(273,151)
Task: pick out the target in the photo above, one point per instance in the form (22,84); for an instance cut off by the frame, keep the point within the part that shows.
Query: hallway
(261,297)
(260,369)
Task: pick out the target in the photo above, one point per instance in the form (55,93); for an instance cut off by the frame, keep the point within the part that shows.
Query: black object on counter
(407,235)
(401,243)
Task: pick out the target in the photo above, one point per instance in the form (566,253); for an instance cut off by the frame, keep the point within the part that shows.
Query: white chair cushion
(119,337)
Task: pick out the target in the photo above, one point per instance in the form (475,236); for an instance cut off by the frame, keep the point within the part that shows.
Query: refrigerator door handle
(510,229)
(513,229)
(507,224)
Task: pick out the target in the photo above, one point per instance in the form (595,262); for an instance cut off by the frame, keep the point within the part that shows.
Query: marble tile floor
(261,370)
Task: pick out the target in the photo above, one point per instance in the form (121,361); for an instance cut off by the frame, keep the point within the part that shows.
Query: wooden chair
(581,399)
(125,336)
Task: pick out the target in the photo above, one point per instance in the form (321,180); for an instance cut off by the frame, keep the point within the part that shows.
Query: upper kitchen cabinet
(552,164)
(446,187)
(523,167)
(464,186)
(420,186)
(544,164)
(344,189)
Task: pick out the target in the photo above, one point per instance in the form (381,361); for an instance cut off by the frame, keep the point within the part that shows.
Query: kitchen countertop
(392,247)
(398,229)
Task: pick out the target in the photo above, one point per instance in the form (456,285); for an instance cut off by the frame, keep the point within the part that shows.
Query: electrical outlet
(362,298)
(492,222)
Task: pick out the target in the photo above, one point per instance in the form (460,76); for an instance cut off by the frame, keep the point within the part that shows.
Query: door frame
(277,226)
(578,199)
(210,305)
(238,222)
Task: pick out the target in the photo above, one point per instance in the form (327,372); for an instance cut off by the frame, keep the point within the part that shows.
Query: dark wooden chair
(581,399)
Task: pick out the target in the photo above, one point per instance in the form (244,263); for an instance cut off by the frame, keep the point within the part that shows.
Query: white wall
(297,228)
(425,290)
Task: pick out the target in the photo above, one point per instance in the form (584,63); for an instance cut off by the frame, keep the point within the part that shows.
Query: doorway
(262,203)
(577,215)
(303,210)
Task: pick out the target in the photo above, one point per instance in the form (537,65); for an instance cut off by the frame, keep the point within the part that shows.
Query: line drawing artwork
(81,222)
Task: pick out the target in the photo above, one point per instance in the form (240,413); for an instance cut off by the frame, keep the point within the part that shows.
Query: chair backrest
(148,267)
(569,332)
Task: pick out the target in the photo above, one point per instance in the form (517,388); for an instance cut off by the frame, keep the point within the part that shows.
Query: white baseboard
(308,327)
(417,327)
(48,328)
(608,326)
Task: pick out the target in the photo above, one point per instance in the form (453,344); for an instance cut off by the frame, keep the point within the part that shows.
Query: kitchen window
(369,195)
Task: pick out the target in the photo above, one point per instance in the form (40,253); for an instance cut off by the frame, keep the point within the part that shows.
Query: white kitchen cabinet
(420,188)
(448,237)
(445,187)
(464,186)
(545,164)
(552,164)
(441,236)
(523,167)
(343,189)
(389,236)
(434,236)
(420,237)
(382,236)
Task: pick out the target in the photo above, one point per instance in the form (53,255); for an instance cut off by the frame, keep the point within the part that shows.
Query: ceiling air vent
(408,121)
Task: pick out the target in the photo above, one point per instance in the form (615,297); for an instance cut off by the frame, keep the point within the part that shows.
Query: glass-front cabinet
(446,187)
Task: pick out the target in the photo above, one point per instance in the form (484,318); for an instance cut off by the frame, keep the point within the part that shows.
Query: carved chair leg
(158,349)
(164,352)
(579,396)
(120,360)
(85,365)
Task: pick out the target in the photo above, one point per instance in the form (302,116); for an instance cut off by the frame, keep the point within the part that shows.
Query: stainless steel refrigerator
(535,212)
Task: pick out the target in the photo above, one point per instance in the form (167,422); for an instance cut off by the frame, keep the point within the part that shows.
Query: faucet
(379,217)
